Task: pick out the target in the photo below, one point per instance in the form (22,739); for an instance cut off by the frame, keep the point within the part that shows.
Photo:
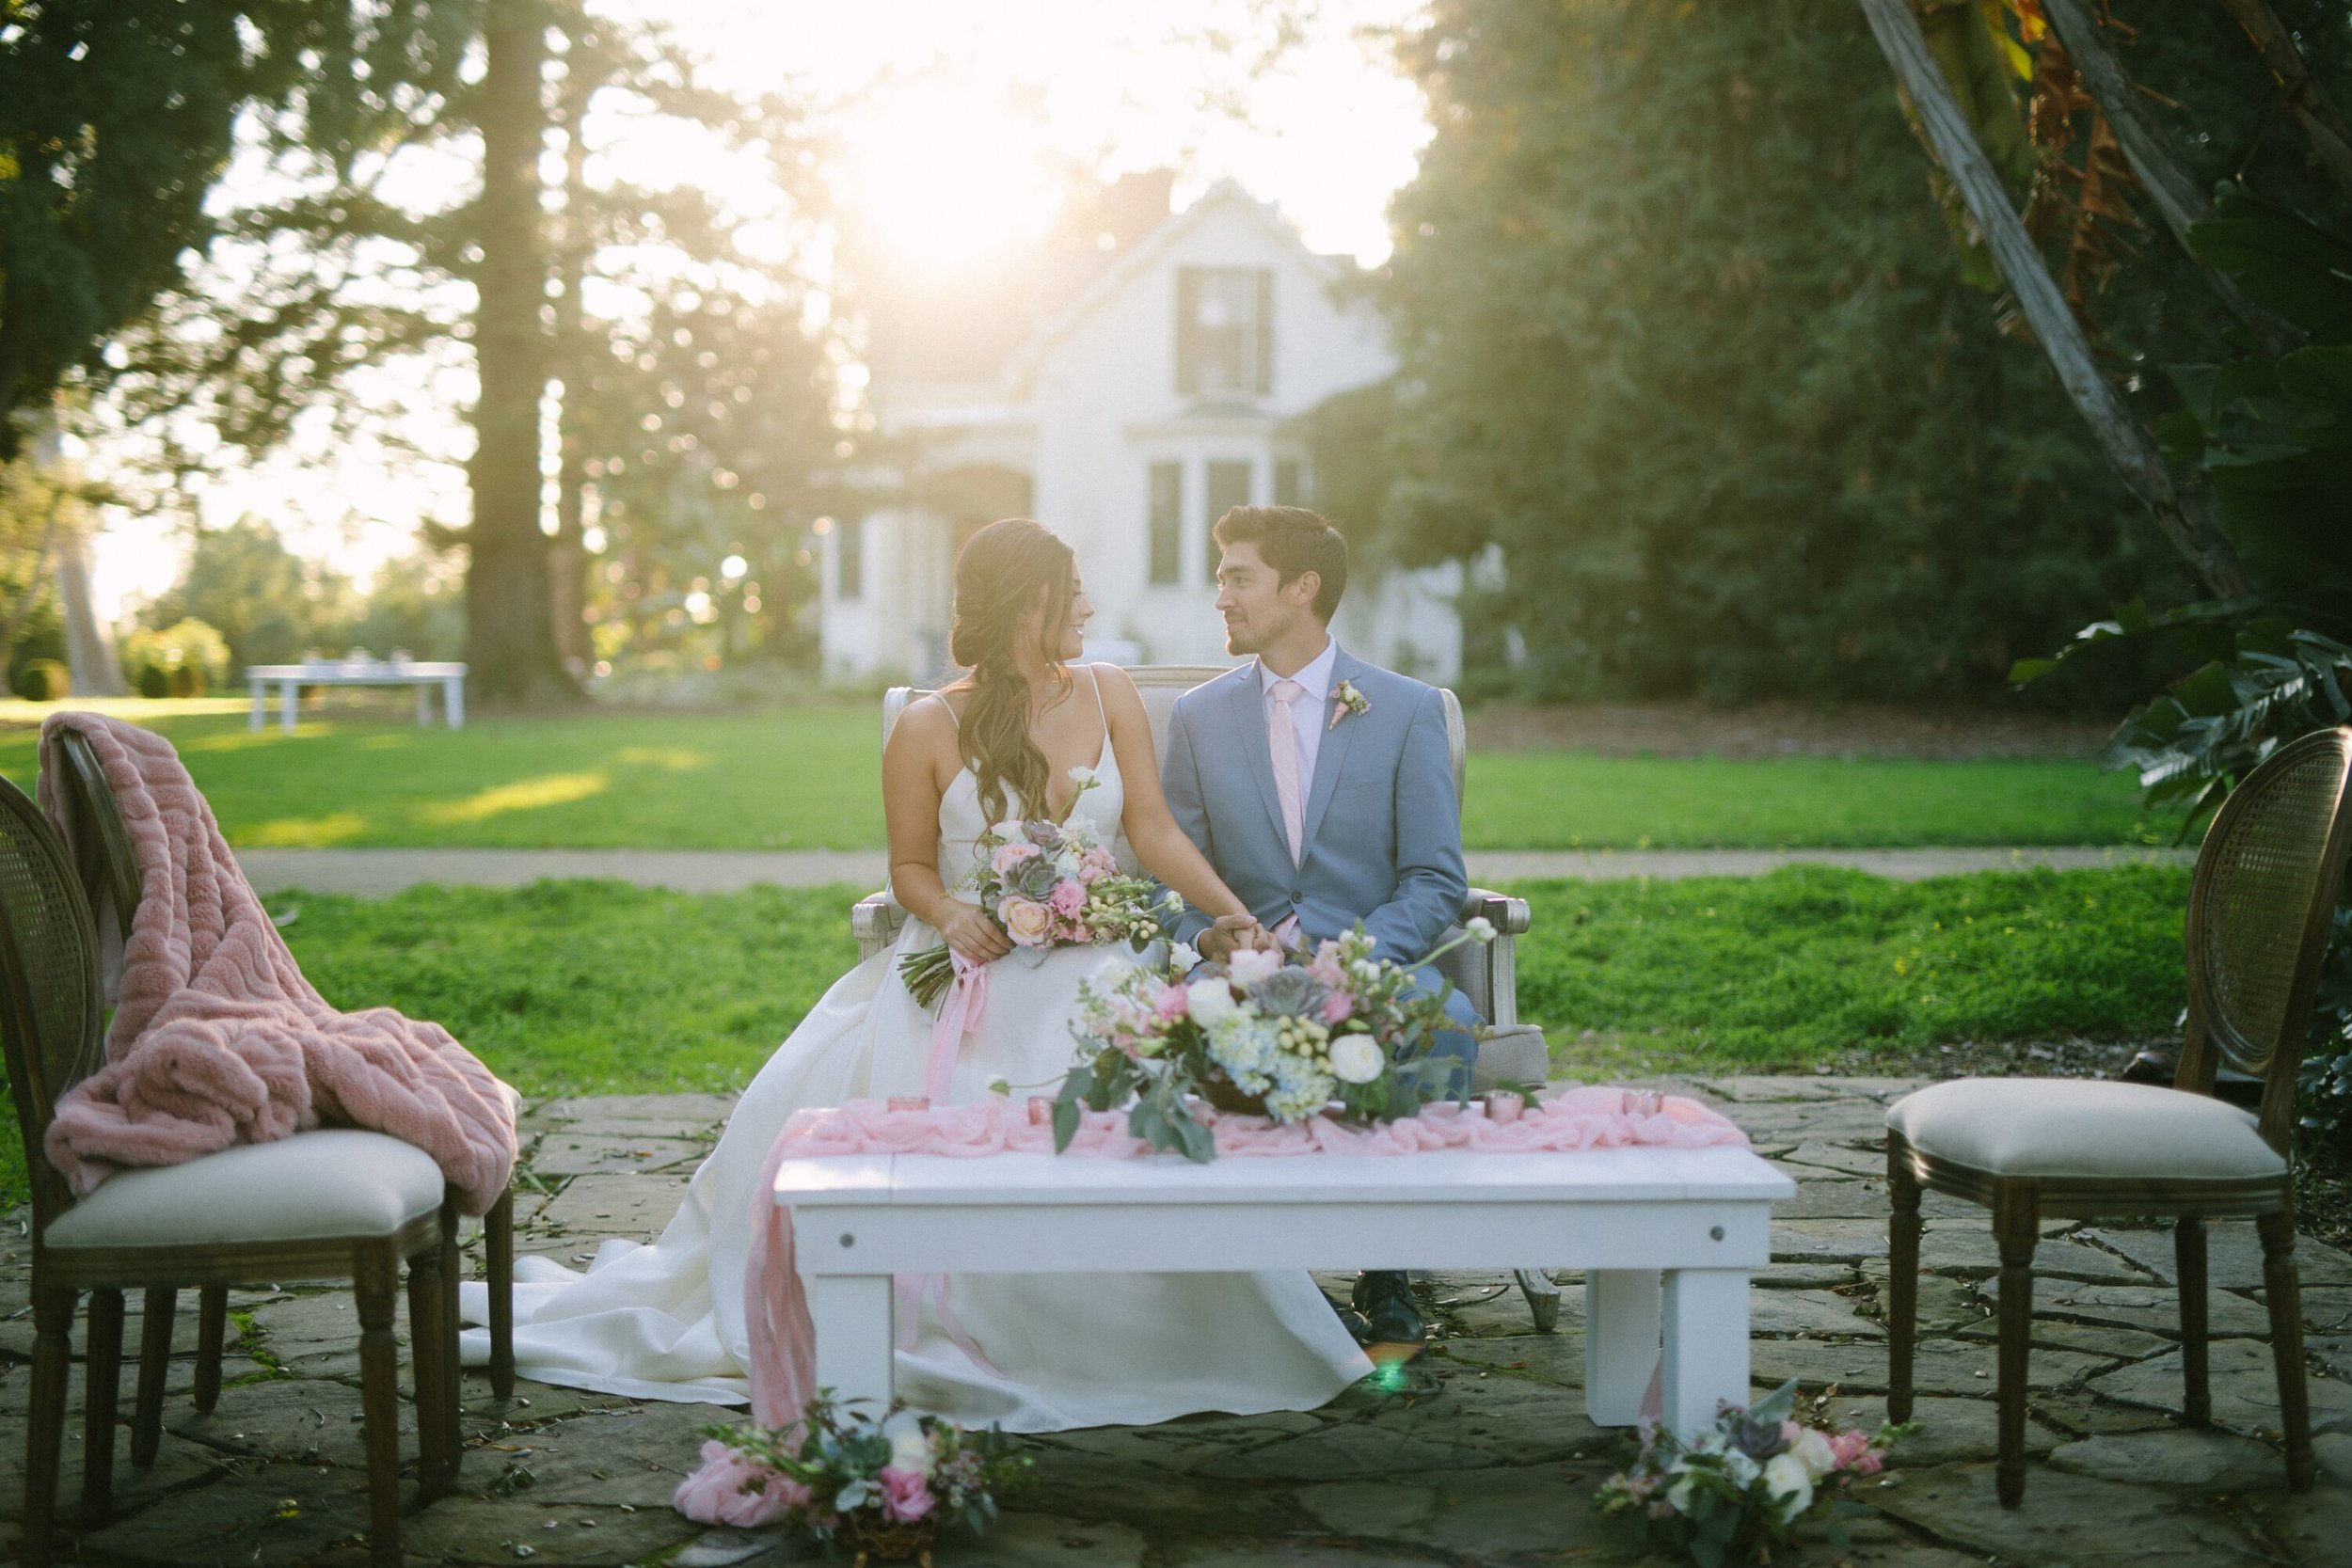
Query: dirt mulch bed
(1786,729)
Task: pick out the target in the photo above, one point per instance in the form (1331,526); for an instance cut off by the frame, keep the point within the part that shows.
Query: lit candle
(1504,1106)
(910,1103)
(1041,1110)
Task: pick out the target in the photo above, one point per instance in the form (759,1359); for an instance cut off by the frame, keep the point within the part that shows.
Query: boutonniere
(1347,701)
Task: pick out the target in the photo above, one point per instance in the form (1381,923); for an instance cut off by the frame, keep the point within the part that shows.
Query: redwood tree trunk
(510,638)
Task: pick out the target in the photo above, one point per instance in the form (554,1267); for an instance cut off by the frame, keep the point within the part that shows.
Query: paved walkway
(1482,1458)
(372,873)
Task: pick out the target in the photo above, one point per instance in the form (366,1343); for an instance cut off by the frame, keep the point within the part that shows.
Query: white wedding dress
(666,1321)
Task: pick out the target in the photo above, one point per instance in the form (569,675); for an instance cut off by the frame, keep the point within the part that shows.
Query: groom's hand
(1230,931)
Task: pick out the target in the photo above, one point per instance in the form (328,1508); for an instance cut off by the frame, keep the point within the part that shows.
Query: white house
(1124,392)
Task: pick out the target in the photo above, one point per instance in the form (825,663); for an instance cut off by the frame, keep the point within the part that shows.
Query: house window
(1287,489)
(1224,330)
(848,557)
(1168,521)
(1229,487)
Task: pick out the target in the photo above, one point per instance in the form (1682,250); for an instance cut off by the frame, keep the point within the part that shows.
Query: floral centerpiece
(1048,884)
(883,1488)
(1741,1487)
(1287,1035)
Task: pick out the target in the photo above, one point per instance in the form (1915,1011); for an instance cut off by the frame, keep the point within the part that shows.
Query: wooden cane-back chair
(2260,908)
(333,1203)
(113,885)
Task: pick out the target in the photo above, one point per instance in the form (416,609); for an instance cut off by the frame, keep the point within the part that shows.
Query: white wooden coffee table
(1667,1238)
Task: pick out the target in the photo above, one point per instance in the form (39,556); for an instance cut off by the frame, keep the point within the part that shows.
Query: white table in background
(291,678)
(1667,1238)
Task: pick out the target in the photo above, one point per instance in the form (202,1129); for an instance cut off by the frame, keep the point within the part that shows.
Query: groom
(1321,789)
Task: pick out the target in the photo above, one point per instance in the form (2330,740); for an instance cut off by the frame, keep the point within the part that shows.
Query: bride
(666,1321)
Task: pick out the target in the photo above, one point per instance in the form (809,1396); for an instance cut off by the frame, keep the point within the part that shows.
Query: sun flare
(939,177)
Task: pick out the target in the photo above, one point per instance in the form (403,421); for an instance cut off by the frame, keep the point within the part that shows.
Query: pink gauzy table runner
(728,1490)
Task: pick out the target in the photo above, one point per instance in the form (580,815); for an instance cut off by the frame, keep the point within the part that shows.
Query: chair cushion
(2083,1127)
(334,1181)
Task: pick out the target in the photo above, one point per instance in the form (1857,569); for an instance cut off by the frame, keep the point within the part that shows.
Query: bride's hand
(970,932)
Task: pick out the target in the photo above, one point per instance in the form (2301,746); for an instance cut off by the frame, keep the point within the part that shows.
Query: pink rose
(1337,1007)
(1848,1449)
(1171,1003)
(1069,897)
(1010,855)
(906,1496)
(1028,922)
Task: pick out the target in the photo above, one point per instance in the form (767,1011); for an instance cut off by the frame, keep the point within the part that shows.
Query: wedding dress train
(666,1321)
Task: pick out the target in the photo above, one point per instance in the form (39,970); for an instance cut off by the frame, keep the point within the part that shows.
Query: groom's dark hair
(1292,539)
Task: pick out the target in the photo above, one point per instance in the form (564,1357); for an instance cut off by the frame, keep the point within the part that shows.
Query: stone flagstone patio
(1482,1456)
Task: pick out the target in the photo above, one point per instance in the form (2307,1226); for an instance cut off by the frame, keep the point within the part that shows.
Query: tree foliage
(1681,334)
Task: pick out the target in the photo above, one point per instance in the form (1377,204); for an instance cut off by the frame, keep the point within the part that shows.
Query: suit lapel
(1246,709)
(1331,757)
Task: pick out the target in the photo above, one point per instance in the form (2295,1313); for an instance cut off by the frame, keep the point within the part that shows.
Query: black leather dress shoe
(1392,1316)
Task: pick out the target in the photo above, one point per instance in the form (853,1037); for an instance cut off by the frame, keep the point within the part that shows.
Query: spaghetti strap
(1095,676)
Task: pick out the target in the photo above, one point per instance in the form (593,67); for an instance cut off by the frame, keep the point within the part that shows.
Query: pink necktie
(1281,739)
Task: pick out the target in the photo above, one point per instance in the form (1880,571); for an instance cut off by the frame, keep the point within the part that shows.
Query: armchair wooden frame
(111,882)
(2253,959)
(49,1012)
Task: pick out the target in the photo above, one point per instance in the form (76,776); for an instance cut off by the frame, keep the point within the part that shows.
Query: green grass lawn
(605,988)
(805,777)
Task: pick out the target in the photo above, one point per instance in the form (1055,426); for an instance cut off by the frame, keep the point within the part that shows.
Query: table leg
(424,703)
(1705,1363)
(453,701)
(289,697)
(851,1314)
(261,703)
(1621,1315)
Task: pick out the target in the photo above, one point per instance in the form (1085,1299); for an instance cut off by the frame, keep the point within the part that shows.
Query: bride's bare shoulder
(927,728)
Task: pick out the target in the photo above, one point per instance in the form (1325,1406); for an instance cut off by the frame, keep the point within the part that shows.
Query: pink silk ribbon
(959,1015)
(782,1339)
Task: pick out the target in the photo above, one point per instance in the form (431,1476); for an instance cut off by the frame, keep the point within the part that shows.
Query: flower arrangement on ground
(883,1488)
(1285,1036)
(1049,884)
(1741,1487)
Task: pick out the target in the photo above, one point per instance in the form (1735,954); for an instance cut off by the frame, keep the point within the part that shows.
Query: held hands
(1232,933)
(970,932)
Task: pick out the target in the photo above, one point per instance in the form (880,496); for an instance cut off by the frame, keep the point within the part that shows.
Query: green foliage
(41,680)
(118,116)
(181,660)
(1681,334)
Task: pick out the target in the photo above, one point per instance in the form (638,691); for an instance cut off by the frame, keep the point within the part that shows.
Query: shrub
(43,680)
(181,660)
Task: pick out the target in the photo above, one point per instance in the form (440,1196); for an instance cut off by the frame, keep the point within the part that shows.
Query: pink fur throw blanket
(217,1038)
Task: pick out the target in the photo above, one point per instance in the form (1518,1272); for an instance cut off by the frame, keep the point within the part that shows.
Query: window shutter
(1188,331)
(1264,382)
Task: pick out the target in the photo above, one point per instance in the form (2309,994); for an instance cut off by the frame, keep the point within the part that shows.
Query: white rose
(1183,955)
(1252,964)
(1356,1059)
(1813,1450)
(1009,830)
(1209,1001)
(911,1450)
(1785,1479)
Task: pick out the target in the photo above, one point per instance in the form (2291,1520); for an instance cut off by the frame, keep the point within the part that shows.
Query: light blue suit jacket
(1382,827)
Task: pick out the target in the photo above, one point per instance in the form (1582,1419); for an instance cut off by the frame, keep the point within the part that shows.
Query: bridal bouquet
(1049,884)
(881,1487)
(1741,1487)
(1285,1036)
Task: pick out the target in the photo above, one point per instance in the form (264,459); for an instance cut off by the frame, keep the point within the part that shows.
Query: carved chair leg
(375,1276)
(1902,1277)
(2282,1290)
(2188,1254)
(2016,1225)
(498,1264)
(102,1387)
(1542,1298)
(53,1316)
(146,1408)
(427,1347)
(211,1329)
(452,1379)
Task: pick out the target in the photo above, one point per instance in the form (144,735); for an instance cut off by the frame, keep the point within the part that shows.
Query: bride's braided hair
(1001,574)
